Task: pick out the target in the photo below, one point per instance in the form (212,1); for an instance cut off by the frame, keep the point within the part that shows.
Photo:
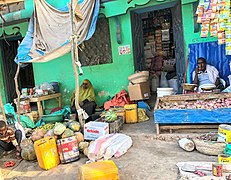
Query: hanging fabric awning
(49,33)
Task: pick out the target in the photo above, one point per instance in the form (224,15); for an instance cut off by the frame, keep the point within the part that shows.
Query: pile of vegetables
(46,127)
(199,104)
(110,116)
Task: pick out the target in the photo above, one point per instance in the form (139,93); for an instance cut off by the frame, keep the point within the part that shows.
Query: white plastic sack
(109,145)
(19,127)
(163,80)
(173,84)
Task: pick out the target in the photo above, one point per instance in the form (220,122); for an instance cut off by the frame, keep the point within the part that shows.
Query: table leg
(40,109)
(157,129)
(60,102)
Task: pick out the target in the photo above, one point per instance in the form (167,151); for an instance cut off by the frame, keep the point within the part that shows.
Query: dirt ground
(148,159)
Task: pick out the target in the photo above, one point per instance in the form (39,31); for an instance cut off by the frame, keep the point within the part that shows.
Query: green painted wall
(107,79)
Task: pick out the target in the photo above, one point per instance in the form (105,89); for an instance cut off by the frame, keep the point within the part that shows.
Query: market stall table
(189,112)
(40,99)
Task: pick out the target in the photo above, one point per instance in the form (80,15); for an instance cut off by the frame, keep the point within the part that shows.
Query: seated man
(206,74)
(9,139)
(86,98)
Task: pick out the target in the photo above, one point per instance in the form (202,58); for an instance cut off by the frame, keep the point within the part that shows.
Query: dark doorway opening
(26,77)
(157,33)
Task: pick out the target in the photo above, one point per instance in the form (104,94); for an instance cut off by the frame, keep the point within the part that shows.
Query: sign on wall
(124,49)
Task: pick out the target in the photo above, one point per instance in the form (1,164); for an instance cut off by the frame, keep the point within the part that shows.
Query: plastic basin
(52,118)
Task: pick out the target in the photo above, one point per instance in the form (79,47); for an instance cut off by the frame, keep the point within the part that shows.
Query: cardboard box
(93,130)
(139,91)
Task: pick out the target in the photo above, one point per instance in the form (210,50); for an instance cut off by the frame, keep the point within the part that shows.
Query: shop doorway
(26,77)
(158,44)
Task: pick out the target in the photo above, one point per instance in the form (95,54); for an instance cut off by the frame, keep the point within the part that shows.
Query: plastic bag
(19,127)
(142,115)
(26,122)
(163,80)
(9,109)
(109,145)
(173,84)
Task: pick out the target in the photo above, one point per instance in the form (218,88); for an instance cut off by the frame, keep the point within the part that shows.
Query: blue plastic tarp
(190,116)
(25,46)
(215,56)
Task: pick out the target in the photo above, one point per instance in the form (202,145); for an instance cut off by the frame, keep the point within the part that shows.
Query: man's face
(3,131)
(201,65)
(85,85)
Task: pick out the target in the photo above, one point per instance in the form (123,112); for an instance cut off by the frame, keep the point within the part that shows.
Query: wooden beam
(10,1)
(2,109)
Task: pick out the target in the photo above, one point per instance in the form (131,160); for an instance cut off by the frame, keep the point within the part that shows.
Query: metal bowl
(189,87)
(207,87)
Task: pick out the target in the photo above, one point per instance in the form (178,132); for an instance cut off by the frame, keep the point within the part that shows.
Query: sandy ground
(148,159)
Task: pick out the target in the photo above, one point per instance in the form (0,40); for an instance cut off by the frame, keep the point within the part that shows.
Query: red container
(68,149)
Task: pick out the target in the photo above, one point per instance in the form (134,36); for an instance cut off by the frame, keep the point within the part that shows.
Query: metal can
(217,169)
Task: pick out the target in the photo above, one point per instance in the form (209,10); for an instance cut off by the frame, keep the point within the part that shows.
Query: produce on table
(46,127)
(28,152)
(199,104)
(67,133)
(79,136)
(74,126)
(83,145)
(38,134)
(59,128)
(110,116)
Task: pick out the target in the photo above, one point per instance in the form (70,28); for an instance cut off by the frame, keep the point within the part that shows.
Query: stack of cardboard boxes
(138,88)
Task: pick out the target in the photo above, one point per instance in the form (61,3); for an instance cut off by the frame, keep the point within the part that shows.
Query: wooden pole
(17,91)
(74,53)
(2,109)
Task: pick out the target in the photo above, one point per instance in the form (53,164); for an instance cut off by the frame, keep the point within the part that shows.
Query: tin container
(224,159)
(68,149)
(217,169)
(224,132)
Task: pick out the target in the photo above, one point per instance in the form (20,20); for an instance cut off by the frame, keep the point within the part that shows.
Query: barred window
(97,50)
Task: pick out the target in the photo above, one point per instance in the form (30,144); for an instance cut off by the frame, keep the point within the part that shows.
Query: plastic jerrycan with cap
(131,113)
(47,152)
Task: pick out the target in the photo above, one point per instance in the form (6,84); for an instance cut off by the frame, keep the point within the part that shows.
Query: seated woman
(86,98)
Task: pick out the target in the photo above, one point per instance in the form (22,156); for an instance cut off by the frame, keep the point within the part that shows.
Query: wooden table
(40,99)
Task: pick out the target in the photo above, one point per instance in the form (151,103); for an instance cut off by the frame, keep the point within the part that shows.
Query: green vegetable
(110,116)
(74,126)
(67,133)
(46,127)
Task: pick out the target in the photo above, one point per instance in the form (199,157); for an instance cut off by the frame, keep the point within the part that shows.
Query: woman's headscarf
(88,93)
